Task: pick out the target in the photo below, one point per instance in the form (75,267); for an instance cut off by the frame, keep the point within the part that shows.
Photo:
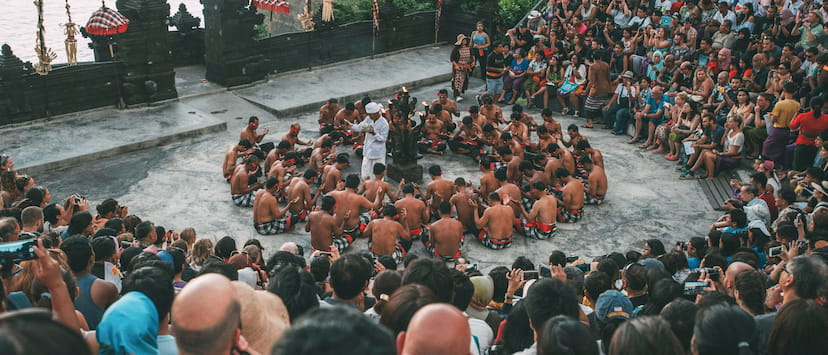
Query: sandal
(644,146)
(634,140)
(587,126)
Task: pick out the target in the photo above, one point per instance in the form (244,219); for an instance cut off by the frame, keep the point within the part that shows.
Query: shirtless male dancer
(249,132)
(417,214)
(445,235)
(299,190)
(343,121)
(552,125)
(268,219)
(385,234)
(508,189)
(332,174)
(584,149)
(326,115)
(320,156)
(283,169)
(596,184)
(438,190)
(369,187)
(292,137)
(488,183)
(493,113)
(460,202)
(572,201)
(496,223)
(478,118)
(467,139)
(326,229)
(540,222)
(235,152)
(433,135)
(447,104)
(350,203)
(241,190)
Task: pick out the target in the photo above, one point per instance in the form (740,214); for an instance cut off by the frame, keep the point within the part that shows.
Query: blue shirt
(519,68)
(693,263)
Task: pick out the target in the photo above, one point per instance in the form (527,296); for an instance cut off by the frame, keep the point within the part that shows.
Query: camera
(15,252)
(775,251)
(695,288)
(802,246)
(544,270)
(713,273)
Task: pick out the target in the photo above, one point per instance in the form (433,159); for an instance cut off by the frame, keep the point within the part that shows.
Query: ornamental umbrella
(280,6)
(106,22)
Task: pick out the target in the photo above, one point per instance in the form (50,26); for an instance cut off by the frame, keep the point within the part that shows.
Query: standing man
(598,88)
(375,128)
(495,67)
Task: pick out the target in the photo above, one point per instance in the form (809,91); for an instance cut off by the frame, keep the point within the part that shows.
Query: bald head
(290,247)
(730,275)
(207,315)
(436,329)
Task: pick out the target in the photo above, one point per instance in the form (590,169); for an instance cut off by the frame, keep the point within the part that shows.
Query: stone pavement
(180,185)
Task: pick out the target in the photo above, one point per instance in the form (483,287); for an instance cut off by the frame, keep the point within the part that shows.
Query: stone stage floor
(180,185)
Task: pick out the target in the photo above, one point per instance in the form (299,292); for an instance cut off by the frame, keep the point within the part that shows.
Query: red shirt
(771,201)
(809,127)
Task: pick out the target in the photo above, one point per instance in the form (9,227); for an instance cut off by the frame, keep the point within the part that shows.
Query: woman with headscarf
(462,63)
(655,67)
(722,62)
(782,33)
(483,293)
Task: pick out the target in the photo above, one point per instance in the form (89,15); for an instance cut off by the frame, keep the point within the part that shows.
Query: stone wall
(26,96)
(354,40)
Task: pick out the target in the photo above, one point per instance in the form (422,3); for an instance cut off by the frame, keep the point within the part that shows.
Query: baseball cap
(612,305)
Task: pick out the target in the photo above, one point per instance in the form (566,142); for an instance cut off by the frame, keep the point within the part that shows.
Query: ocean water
(18,24)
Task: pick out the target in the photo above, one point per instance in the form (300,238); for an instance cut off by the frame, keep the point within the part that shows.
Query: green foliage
(261,31)
(471,5)
(512,11)
(410,6)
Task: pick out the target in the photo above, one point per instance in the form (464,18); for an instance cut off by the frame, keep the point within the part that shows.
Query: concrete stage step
(71,139)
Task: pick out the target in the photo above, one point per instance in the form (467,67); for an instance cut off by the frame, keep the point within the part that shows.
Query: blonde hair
(202,249)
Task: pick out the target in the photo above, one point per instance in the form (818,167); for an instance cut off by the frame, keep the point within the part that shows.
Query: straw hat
(460,39)
(263,316)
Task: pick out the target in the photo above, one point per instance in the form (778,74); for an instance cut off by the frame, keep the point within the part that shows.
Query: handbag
(568,87)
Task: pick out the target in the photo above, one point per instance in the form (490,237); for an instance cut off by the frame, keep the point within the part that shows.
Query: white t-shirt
(622,91)
(729,16)
(484,335)
(737,140)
